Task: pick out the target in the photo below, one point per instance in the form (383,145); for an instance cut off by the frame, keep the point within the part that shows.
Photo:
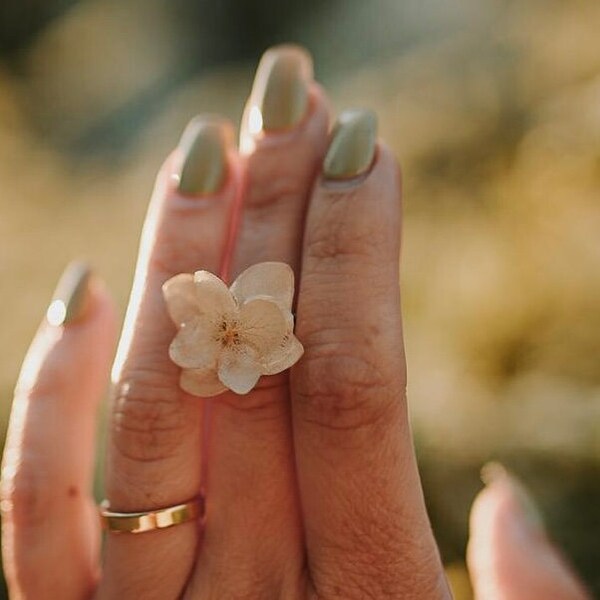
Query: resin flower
(229,337)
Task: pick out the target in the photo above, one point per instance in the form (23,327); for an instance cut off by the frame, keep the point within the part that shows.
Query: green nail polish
(279,97)
(352,145)
(204,146)
(71,297)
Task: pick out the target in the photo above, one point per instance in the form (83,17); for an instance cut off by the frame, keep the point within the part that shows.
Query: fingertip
(389,159)
(201,164)
(502,513)
(90,311)
(380,172)
(77,335)
(361,215)
(509,554)
(206,146)
(279,99)
(320,101)
(352,146)
(505,507)
(313,126)
(103,310)
(387,166)
(495,530)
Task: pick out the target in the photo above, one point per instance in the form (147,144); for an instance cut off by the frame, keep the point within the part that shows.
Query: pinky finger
(510,557)
(50,536)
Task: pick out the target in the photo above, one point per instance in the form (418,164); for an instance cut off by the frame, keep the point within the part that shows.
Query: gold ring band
(138,522)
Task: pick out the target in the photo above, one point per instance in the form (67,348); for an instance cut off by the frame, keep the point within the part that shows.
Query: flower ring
(229,337)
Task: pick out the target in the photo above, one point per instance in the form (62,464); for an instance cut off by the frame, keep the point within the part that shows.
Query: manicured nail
(279,97)
(352,145)
(204,145)
(71,297)
(494,472)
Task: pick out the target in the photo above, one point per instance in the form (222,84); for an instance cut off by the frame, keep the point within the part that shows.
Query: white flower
(229,337)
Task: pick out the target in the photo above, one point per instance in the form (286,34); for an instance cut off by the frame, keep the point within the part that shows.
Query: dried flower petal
(274,279)
(201,382)
(262,325)
(196,345)
(180,296)
(283,357)
(239,369)
(213,296)
(228,338)
(289,318)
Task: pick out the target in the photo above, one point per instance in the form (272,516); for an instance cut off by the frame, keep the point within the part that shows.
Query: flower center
(229,333)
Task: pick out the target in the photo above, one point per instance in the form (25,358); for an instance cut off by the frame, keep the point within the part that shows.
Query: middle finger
(252,516)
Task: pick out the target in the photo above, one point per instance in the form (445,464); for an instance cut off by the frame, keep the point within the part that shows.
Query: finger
(49,517)
(509,555)
(155,437)
(252,521)
(365,520)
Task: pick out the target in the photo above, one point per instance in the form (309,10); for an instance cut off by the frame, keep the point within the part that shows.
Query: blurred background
(493,108)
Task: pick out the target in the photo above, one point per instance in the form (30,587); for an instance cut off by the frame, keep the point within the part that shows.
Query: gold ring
(138,522)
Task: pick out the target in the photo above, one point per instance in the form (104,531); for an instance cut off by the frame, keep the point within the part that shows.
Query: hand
(312,488)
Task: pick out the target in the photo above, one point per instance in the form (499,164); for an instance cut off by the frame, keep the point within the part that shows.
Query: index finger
(365,519)
(155,435)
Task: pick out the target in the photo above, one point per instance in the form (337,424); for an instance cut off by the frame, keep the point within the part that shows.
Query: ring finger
(252,498)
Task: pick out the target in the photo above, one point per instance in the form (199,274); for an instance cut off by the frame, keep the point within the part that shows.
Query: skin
(312,489)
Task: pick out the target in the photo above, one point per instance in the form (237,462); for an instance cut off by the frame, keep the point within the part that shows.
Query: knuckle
(173,253)
(148,420)
(340,234)
(341,389)
(267,191)
(267,402)
(177,243)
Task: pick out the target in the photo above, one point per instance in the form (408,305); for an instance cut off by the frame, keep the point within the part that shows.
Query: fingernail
(71,297)
(279,97)
(529,512)
(352,145)
(204,146)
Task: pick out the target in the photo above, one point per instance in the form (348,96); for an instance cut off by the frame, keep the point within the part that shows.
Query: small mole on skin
(72,492)
(374,330)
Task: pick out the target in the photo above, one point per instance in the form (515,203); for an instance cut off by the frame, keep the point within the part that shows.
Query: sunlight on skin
(139,280)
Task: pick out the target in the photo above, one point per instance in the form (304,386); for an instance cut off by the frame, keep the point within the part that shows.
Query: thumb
(509,556)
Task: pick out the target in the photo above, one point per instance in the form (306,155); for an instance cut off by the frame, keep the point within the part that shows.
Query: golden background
(493,108)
